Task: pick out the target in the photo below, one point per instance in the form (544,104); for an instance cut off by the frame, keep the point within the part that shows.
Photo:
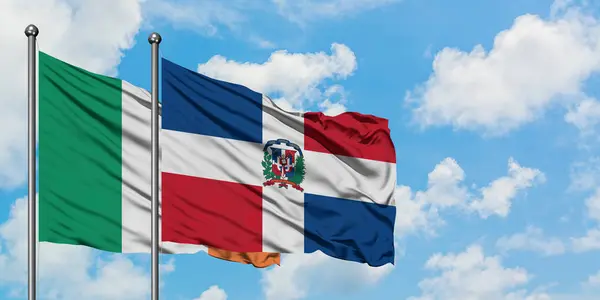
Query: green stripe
(79,156)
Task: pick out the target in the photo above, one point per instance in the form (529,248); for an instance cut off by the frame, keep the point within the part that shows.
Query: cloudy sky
(493,108)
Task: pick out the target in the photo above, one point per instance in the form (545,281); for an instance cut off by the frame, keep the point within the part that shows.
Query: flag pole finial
(154,38)
(32,30)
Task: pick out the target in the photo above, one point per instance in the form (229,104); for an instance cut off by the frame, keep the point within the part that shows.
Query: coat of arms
(283,164)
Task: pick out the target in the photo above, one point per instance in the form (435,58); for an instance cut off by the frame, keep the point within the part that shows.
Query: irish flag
(94,164)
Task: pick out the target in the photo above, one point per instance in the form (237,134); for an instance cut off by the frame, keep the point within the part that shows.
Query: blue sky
(493,108)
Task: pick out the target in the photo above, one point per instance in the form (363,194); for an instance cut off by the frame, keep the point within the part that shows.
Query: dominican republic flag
(241,174)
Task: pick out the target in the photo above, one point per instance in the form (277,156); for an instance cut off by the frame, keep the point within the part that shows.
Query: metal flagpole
(31,32)
(154,39)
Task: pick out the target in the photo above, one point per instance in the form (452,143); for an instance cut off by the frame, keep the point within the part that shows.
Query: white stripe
(349,178)
(211,157)
(136,172)
(283,209)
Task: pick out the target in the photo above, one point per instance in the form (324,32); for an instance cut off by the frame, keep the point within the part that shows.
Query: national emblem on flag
(283,164)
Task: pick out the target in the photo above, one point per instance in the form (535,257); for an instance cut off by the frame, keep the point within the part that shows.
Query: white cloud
(585,175)
(593,280)
(334,103)
(90,34)
(593,206)
(203,16)
(168,267)
(420,212)
(308,10)
(591,241)
(88,276)
(210,17)
(316,272)
(532,239)
(331,109)
(446,189)
(471,275)
(590,289)
(213,293)
(585,115)
(262,42)
(296,79)
(498,195)
(532,66)
(414,214)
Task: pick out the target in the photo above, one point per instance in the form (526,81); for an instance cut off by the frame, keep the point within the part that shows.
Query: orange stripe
(257,259)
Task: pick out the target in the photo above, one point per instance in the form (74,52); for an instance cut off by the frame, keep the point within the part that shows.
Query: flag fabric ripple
(241,174)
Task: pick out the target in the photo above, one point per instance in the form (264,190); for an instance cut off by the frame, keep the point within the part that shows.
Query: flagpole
(31,32)
(154,39)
